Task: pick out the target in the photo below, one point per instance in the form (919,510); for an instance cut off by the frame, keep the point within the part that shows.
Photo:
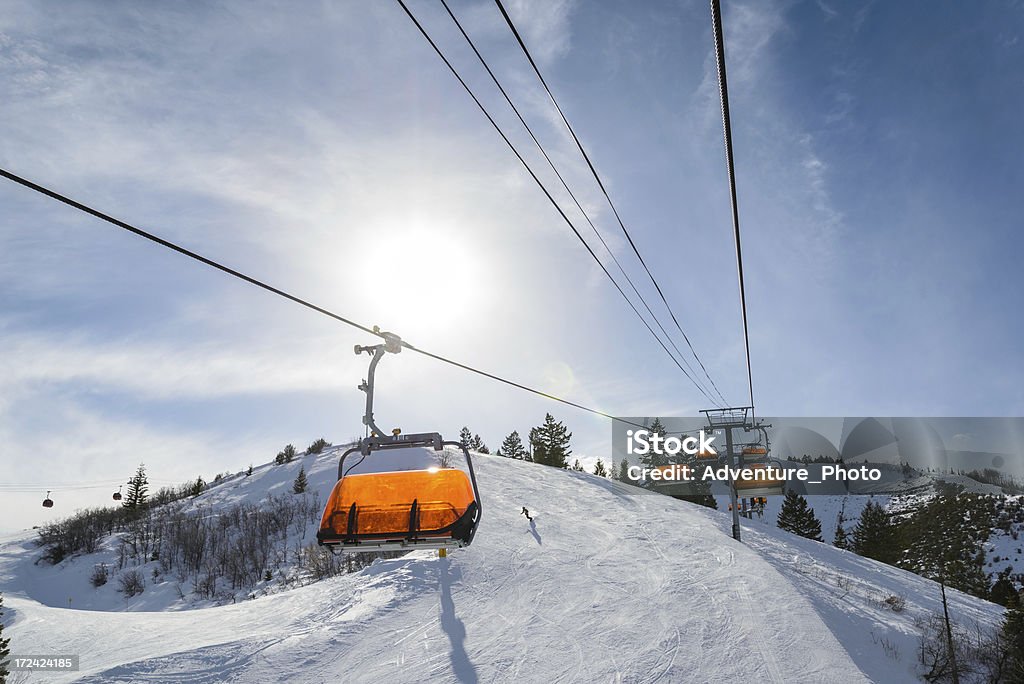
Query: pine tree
(874,535)
(477,444)
(657,428)
(197,487)
(797,517)
(318,446)
(599,469)
(138,489)
(841,540)
(652,459)
(299,486)
(513,447)
(5,651)
(249,471)
(1012,638)
(534,438)
(466,437)
(1003,590)
(577,467)
(624,471)
(551,443)
(288,454)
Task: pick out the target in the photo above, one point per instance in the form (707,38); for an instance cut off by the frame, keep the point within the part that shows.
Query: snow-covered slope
(606,584)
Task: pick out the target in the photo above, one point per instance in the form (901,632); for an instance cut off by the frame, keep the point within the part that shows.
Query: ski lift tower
(726,420)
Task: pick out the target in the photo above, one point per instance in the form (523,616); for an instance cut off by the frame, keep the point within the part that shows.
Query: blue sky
(332,154)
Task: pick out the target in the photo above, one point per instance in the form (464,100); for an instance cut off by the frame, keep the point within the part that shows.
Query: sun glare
(421,278)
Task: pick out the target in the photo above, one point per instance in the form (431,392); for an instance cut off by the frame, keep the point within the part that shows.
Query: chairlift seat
(759,485)
(433,507)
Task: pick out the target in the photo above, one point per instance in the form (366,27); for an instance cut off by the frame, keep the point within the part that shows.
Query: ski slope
(607,584)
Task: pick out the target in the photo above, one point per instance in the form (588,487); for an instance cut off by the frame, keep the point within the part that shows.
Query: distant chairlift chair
(755,458)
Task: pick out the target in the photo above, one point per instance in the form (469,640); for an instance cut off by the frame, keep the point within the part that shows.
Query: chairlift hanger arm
(393,345)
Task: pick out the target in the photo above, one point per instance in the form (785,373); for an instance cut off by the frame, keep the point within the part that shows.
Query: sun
(419,278)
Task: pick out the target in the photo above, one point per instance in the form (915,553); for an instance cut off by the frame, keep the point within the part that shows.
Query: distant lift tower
(726,420)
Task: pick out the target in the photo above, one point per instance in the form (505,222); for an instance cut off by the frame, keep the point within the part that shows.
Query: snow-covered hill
(606,584)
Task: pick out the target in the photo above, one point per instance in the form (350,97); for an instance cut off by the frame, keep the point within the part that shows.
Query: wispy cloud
(545,26)
(162,370)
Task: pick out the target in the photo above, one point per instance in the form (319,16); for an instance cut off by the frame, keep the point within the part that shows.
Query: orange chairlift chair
(433,508)
(755,457)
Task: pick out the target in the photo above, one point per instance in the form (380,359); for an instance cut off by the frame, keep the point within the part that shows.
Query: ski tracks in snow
(606,586)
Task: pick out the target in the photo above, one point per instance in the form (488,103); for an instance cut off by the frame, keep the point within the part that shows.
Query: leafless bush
(977,654)
(895,603)
(213,552)
(206,586)
(444,458)
(132,583)
(321,563)
(99,576)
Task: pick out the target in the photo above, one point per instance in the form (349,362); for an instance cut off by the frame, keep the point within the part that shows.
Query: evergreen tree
(477,444)
(5,651)
(288,453)
(577,467)
(138,489)
(797,517)
(315,448)
(1012,638)
(841,540)
(466,437)
(1003,590)
(943,537)
(513,447)
(874,536)
(249,471)
(651,459)
(551,443)
(197,487)
(599,469)
(624,471)
(300,484)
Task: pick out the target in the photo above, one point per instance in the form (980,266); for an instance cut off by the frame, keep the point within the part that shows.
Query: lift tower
(726,420)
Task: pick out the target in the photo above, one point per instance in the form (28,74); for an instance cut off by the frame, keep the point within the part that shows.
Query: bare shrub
(132,583)
(100,575)
(895,603)
(976,655)
(321,563)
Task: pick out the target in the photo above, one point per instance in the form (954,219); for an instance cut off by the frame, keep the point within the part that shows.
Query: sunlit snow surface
(605,585)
